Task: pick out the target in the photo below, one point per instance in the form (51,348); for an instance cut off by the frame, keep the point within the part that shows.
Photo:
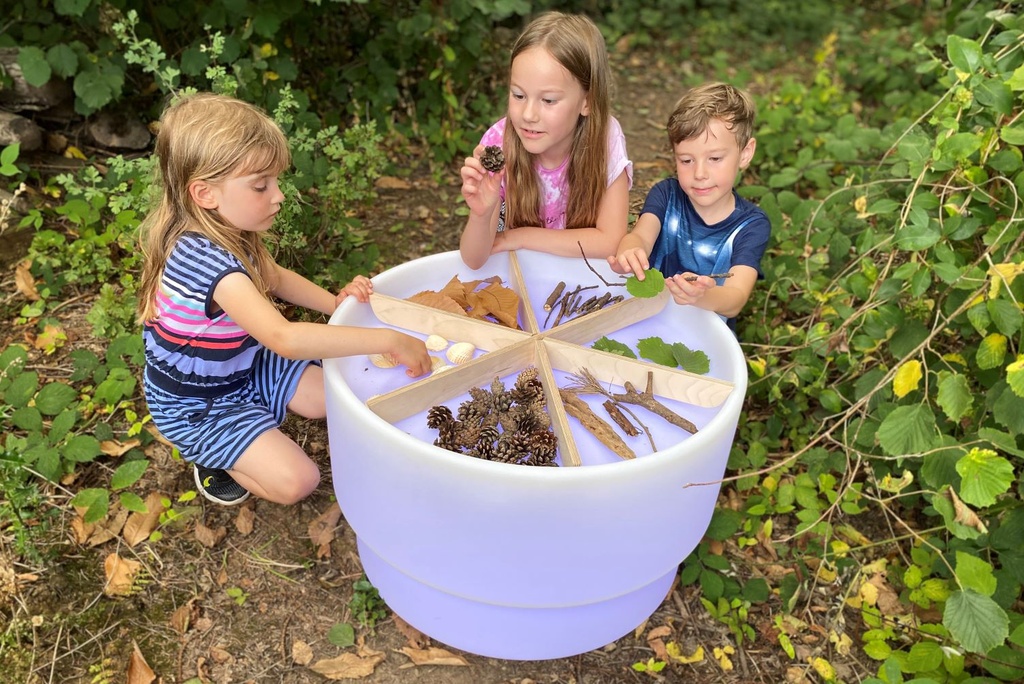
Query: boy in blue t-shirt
(696,224)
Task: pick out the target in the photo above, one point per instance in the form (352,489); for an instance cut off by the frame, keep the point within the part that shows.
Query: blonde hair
(576,43)
(210,138)
(699,106)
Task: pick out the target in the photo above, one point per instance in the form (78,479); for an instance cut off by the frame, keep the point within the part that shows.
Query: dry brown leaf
(658,646)
(347,666)
(209,537)
(108,528)
(139,671)
(321,529)
(415,637)
(245,521)
(434,656)
(499,301)
(140,525)
(220,655)
(151,429)
(112,447)
(181,619)
(52,338)
(121,574)
(888,600)
(391,183)
(437,301)
(81,529)
(24,281)
(302,654)
(964,515)
(659,632)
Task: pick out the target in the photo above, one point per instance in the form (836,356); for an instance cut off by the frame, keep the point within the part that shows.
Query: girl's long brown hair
(211,138)
(576,43)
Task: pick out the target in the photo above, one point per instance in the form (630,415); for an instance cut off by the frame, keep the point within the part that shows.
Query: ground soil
(294,592)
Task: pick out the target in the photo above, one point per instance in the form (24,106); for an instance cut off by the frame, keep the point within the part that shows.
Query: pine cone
(438,416)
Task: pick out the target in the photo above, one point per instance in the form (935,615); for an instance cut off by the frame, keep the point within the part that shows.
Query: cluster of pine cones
(509,426)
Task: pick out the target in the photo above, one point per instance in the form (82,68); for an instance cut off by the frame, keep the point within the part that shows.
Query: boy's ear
(747,153)
(202,194)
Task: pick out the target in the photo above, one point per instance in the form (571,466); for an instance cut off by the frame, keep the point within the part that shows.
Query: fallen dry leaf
(321,530)
(391,183)
(302,654)
(415,637)
(245,520)
(220,655)
(437,301)
(140,525)
(24,281)
(112,447)
(108,528)
(139,671)
(434,656)
(182,618)
(658,646)
(151,429)
(347,666)
(51,339)
(209,537)
(121,574)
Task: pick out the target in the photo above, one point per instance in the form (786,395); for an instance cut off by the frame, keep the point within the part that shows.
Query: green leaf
(1012,135)
(342,635)
(133,502)
(924,656)
(62,425)
(975,573)
(95,89)
(1006,315)
(711,584)
(756,590)
(1015,376)
(63,60)
(34,66)
(1016,80)
(71,8)
(128,473)
(976,621)
(82,448)
(96,502)
(918,236)
(877,650)
(725,522)
(954,397)
(655,349)
(964,53)
(22,389)
(991,351)
(985,475)
(607,344)
(691,360)
(907,430)
(54,398)
(652,284)
(118,385)
(27,418)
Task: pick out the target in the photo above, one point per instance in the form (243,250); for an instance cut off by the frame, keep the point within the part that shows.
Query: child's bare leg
(308,400)
(276,469)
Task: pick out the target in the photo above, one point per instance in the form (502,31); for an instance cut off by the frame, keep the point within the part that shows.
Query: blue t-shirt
(686,243)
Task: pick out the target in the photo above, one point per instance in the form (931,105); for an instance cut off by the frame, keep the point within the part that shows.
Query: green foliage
(651,286)
(366,605)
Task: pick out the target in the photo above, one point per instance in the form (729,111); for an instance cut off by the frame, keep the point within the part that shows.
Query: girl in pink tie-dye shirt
(556,175)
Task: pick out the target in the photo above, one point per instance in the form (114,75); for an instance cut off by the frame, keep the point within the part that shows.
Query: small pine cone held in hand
(493,159)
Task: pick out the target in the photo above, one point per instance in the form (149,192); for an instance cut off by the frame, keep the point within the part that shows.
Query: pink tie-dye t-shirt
(554,188)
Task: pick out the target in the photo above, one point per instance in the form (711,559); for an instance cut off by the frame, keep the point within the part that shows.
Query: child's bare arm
(631,256)
(481,190)
(727,299)
(598,242)
(258,316)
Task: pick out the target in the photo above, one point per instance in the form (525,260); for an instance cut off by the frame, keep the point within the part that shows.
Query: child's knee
(298,483)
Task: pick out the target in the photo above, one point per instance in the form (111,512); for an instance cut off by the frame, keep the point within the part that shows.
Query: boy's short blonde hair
(699,106)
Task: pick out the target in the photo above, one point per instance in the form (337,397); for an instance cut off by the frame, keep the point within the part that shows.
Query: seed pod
(493,159)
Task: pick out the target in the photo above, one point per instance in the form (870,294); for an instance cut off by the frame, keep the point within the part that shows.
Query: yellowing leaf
(907,378)
(72,152)
(824,669)
(891,484)
(1015,376)
(842,642)
(861,205)
(722,656)
(757,365)
(674,652)
(1002,273)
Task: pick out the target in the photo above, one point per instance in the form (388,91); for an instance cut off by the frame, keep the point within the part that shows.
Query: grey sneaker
(217,486)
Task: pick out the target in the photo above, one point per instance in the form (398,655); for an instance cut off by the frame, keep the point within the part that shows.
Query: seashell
(441,368)
(383,360)
(436,343)
(460,352)
(436,362)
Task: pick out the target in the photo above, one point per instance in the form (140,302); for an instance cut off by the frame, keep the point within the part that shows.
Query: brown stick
(578,409)
(620,418)
(691,278)
(553,297)
(587,262)
(647,400)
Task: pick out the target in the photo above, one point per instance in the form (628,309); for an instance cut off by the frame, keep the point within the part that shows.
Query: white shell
(441,368)
(436,343)
(436,362)
(460,352)
(383,360)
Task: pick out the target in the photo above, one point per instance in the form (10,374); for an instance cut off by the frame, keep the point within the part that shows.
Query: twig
(587,383)
(600,277)
(555,294)
(716,276)
(620,418)
(578,409)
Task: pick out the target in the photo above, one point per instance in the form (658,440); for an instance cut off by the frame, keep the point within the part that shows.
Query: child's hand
(361,288)
(480,187)
(411,352)
(684,292)
(633,260)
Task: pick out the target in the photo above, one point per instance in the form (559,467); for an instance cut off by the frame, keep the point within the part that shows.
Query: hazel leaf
(651,286)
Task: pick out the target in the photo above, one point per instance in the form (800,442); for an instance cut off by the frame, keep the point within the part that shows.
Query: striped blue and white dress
(212,389)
